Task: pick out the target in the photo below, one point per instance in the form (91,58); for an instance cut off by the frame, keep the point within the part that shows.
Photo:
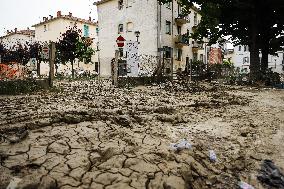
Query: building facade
(163,31)
(51,28)
(16,37)
(240,56)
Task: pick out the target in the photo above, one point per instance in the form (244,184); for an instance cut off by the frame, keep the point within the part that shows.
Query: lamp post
(137,34)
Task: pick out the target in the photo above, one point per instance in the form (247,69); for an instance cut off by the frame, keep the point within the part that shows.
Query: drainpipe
(172,49)
(158,30)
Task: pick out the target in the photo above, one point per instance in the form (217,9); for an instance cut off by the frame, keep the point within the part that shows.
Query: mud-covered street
(90,135)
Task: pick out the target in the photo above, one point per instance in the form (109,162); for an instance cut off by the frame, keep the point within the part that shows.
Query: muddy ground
(92,135)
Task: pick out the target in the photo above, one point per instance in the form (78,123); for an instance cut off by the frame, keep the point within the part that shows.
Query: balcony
(182,40)
(182,19)
(196,46)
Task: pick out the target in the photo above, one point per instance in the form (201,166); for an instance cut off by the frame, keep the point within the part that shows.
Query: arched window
(120,28)
(130,26)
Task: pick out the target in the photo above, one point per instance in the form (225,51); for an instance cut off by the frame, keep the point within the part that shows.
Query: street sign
(120,41)
(33,64)
(45,52)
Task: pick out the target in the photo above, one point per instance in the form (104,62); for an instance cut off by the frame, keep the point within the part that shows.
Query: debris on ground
(181,145)
(244,185)
(212,156)
(14,183)
(270,175)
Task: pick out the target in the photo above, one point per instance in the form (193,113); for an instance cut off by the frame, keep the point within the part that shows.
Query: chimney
(8,31)
(16,30)
(58,13)
(44,19)
(70,14)
(28,29)
(50,16)
(90,18)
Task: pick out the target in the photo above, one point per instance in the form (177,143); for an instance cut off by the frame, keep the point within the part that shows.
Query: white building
(15,37)
(160,26)
(51,28)
(240,56)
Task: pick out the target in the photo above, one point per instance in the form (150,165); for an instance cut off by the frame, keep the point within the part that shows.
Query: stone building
(240,56)
(15,37)
(163,30)
(51,28)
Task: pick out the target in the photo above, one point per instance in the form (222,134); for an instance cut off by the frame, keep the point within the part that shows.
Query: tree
(248,22)
(66,47)
(73,46)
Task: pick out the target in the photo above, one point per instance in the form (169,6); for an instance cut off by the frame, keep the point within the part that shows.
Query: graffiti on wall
(132,58)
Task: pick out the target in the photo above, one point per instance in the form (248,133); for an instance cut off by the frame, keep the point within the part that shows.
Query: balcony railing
(197,46)
(182,19)
(182,40)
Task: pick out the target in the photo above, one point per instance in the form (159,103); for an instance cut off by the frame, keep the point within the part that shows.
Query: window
(201,57)
(168,27)
(179,54)
(86,31)
(168,52)
(97,67)
(245,48)
(120,52)
(179,29)
(45,28)
(246,60)
(195,19)
(240,48)
(120,28)
(120,4)
(194,56)
(129,27)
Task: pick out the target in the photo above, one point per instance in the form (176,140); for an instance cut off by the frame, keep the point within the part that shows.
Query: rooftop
(21,32)
(67,17)
(101,2)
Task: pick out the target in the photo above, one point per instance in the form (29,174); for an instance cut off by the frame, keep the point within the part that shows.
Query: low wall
(11,87)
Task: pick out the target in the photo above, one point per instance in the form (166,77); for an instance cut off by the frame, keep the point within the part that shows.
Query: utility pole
(51,63)
(190,70)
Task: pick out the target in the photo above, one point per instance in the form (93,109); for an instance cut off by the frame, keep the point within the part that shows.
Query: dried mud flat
(97,136)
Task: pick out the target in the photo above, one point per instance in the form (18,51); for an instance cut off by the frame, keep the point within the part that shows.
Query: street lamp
(137,34)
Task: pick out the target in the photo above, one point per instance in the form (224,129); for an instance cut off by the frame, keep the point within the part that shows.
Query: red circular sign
(120,41)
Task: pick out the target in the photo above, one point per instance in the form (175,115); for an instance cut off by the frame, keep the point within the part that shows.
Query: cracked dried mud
(92,135)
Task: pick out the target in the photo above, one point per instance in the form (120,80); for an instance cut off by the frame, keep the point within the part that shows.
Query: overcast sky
(24,13)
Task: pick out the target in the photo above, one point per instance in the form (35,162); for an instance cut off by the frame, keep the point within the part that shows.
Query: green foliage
(259,24)
(83,50)
(13,87)
(228,64)
(73,46)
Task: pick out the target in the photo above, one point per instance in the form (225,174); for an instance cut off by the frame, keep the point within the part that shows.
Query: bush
(13,87)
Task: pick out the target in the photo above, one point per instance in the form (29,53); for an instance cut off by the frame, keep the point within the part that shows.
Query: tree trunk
(264,57)
(254,51)
(73,74)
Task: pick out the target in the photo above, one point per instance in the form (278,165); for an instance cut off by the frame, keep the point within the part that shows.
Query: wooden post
(190,70)
(115,69)
(51,63)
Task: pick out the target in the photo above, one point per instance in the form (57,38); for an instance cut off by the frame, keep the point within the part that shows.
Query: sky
(24,13)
